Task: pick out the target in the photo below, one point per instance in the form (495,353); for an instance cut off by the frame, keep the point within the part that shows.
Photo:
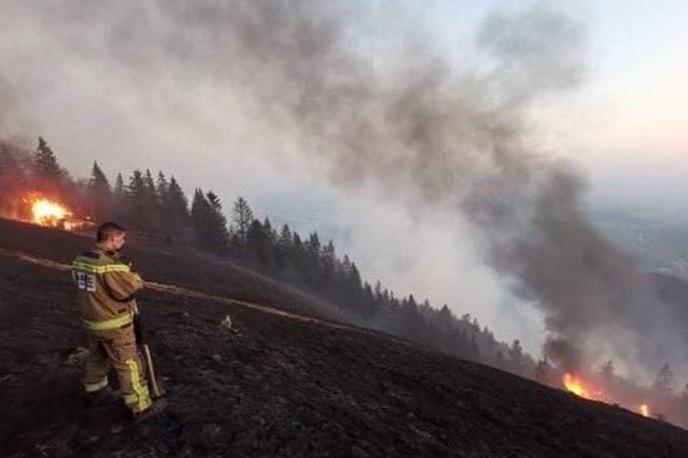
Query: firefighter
(106,285)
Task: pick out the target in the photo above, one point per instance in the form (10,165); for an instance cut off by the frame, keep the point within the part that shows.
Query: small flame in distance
(645,410)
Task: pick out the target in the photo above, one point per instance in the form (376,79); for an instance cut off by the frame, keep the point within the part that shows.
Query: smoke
(313,83)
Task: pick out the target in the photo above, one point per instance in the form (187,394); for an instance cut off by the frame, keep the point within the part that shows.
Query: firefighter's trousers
(116,348)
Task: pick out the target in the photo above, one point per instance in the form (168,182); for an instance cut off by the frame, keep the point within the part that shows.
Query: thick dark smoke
(409,122)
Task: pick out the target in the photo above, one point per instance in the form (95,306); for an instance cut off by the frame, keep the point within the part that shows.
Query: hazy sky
(626,128)
(628,125)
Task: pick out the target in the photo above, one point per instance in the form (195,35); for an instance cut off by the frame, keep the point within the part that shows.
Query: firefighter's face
(117,241)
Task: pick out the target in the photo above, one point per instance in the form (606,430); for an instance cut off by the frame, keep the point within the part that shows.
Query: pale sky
(627,126)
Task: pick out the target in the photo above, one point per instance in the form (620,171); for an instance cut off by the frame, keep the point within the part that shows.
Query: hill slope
(275,384)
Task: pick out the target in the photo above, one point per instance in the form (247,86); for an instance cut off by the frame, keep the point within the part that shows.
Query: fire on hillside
(586,389)
(41,209)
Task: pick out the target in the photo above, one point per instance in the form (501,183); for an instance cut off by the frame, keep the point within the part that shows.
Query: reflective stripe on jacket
(105,289)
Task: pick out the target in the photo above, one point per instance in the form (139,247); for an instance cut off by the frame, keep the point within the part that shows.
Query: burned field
(272,385)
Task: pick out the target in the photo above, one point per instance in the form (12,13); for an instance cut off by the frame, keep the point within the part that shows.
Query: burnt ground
(273,385)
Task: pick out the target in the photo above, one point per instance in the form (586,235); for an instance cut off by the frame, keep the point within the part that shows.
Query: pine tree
(516,357)
(327,263)
(664,381)
(355,284)
(46,168)
(120,191)
(137,186)
(200,217)
(220,235)
(298,256)
(120,202)
(285,236)
(151,203)
(138,213)
(443,323)
(312,273)
(283,249)
(270,233)
(176,206)
(259,247)
(162,188)
(243,216)
(99,195)
(98,181)
(209,223)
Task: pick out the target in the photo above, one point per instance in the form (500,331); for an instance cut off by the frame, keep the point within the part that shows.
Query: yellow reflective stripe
(105,325)
(140,400)
(90,268)
(92,387)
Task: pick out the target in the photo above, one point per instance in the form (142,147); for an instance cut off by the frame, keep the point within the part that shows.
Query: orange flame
(645,410)
(48,212)
(575,385)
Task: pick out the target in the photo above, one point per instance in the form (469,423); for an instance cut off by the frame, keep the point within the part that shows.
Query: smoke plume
(397,116)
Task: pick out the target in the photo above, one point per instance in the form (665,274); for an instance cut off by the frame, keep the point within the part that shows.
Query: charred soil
(274,384)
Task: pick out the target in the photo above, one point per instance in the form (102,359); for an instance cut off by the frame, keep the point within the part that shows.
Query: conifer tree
(161,188)
(664,380)
(220,235)
(46,169)
(99,194)
(242,217)
(151,202)
(258,246)
(138,213)
(209,223)
(98,181)
(327,263)
(298,256)
(283,249)
(516,357)
(176,207)
(312,261)
(270,234)
(120,191)
(120,203)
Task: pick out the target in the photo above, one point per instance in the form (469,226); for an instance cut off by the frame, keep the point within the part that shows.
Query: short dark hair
(106,230)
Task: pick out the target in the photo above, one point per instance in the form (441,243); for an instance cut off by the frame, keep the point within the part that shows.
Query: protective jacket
(106,285)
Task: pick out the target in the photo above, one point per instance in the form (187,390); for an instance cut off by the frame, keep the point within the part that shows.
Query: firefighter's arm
(122,286)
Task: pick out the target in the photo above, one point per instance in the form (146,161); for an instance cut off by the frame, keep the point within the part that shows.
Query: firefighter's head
(111,236)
